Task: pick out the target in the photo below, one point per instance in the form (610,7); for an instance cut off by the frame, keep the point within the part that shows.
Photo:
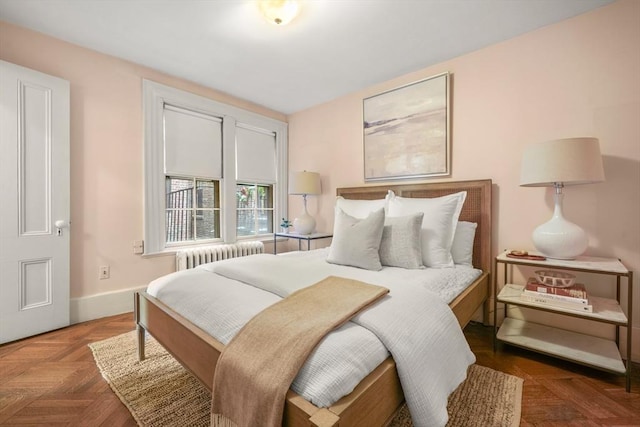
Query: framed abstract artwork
(406,131)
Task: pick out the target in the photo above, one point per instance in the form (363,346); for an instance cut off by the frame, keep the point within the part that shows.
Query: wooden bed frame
(377,398)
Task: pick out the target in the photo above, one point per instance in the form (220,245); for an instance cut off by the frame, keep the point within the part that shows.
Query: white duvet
(413,322)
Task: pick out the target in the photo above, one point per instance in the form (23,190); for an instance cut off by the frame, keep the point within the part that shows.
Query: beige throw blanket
(257,367)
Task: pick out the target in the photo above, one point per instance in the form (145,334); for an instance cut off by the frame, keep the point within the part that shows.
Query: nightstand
(300,238)
(596,352)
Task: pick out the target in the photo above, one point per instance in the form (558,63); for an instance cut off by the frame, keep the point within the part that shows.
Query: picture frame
(406,131)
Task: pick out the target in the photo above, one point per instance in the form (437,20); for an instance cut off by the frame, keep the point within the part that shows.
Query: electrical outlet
(104,272)
(138,247)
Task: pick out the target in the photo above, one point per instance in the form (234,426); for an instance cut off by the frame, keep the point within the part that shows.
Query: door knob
(60,224)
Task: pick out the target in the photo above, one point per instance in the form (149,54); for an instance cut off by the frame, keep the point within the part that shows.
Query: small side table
(300,237)
(592,351)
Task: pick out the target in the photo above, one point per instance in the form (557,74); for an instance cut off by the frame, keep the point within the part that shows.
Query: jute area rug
(160,392)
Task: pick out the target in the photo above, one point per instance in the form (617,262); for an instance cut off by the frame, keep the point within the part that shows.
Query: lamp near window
(556,164)
(304,183)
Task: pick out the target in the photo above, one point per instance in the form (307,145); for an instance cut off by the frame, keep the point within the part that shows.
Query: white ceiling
(332,48)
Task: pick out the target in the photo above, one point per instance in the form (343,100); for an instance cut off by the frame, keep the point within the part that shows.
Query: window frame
(155,96)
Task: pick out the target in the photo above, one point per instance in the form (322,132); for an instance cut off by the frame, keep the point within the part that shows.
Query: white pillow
(438,225)
(360,208)
(400,245)
(356,242)
(462,247)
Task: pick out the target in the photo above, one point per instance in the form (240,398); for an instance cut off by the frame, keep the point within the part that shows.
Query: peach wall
(106,155)
(580,77)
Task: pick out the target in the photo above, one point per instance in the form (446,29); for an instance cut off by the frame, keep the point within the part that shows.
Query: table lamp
(304,183)
(556,164)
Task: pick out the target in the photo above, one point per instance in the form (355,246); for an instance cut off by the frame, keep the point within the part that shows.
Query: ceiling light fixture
(279,12)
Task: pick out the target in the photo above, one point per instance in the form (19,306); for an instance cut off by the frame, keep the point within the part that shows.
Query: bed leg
(140,334)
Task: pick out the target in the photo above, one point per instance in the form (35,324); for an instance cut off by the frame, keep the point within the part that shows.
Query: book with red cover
(577,290)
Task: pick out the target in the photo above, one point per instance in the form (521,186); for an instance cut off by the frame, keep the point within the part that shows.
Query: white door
(34,202)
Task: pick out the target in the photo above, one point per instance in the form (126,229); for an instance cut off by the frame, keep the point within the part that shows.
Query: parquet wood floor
(51,379)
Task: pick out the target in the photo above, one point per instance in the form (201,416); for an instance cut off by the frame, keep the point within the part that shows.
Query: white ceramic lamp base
(304,224)
(559,238)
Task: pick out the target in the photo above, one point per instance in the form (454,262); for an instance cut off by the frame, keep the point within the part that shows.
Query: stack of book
(573,297)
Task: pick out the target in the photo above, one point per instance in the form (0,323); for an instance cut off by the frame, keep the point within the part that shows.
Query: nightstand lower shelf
(587,350)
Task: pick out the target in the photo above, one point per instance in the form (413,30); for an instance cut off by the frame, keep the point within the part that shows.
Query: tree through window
(254,207)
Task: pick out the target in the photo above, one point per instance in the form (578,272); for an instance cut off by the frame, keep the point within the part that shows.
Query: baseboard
(102,305)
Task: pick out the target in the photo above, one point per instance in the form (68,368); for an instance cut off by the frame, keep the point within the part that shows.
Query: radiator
(189,258)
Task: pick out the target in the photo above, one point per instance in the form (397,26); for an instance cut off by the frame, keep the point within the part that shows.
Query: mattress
(221,306)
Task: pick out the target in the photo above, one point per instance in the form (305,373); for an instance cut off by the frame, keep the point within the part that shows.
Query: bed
(378,396)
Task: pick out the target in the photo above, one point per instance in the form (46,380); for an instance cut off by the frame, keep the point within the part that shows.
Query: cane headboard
(476,208)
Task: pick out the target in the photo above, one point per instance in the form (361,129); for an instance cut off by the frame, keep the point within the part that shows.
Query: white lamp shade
(568,161)
(304,183)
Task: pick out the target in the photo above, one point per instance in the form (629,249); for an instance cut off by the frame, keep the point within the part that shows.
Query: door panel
(34,172)
(34,148)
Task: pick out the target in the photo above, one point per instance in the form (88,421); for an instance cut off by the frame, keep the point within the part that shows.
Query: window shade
(192,143)
(255,155)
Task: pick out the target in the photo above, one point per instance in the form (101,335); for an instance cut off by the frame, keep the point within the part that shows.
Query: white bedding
(221,306)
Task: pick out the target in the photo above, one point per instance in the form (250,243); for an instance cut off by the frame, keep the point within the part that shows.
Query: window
(192,212)
(213,172)
(192,144)
(255,179)
(254,209)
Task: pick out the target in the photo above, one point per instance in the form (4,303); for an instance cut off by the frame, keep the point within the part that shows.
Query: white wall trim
(103,305)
